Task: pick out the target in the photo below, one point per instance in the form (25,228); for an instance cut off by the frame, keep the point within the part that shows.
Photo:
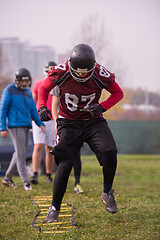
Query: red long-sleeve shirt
(76,97)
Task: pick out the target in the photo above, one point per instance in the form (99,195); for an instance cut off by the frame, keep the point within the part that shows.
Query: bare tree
(94,32)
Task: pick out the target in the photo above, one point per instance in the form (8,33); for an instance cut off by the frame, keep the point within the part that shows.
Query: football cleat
(78,189)
(27,186)
(49,179)
(52,215)
(110,202)
(8,183)
(34,179)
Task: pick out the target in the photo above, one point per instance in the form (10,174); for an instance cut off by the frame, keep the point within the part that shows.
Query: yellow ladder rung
(42,212)
(52,228)
(57,223)
(42,196)
(54,231)
(63,208)
(67,215)
(45,205)
(69,227)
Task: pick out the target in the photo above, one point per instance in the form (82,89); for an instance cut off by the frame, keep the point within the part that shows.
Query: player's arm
(115,97)
(35,93)
(35,97)
(55,107)
(45,88)
(55,93)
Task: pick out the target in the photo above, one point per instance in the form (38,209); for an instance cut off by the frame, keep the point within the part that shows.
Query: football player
(81,80)
(77,162)
(40,139)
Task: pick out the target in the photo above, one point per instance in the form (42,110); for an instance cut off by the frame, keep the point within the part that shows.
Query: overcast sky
(134,26)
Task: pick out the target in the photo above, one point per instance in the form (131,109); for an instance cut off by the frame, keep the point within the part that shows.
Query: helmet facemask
(77,74)
(46,70)
(21,76)
(48,67)
(25,79)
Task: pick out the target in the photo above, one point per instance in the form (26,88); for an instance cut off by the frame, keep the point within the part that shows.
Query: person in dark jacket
(17,109)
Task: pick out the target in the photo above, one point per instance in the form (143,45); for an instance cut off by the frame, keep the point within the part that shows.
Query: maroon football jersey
(76,97)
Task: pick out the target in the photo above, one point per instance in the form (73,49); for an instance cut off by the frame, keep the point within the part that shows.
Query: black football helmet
(23,75)
(48,66)
(82,61)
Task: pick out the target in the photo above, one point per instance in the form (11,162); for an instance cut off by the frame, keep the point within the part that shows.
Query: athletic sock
(107,188)
(48,174)
(109,169)
(77,180)
(35,174)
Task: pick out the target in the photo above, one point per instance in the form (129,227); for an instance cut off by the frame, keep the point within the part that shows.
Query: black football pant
(72,135)
(77,168)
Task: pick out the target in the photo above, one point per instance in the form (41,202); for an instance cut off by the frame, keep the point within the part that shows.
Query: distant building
(15,54)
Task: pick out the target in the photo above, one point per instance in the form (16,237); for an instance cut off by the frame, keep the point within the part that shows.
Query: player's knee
(38,147)
(65,167)
(110,155)
(104,157)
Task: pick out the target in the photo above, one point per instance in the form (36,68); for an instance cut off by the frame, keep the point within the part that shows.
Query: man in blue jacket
(17,110)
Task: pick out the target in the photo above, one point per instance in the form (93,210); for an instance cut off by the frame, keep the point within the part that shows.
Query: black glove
(44,114)
(96,109)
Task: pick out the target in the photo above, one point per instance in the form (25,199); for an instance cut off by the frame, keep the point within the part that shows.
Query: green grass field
(137,190)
